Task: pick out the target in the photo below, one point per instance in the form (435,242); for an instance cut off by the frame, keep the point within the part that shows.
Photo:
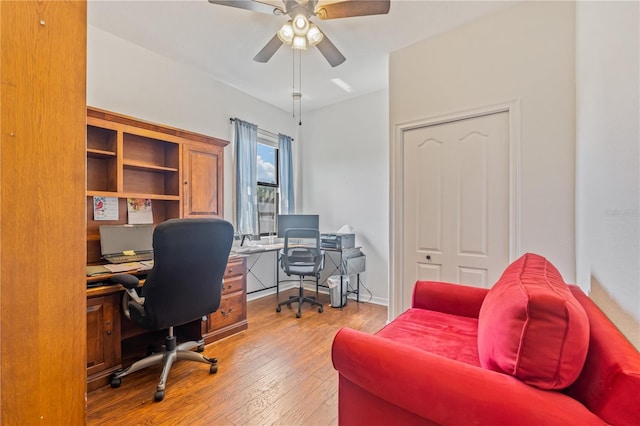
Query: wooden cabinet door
(202,181)
(103,334)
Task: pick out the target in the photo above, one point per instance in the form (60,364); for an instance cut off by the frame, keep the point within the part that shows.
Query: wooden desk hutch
(181,172)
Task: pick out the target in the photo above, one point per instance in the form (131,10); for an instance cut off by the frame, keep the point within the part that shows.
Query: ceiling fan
(299,32)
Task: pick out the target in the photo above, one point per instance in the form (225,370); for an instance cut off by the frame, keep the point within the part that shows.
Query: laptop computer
(126,243)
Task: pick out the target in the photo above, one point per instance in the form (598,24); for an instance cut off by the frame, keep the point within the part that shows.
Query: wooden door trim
(396,187)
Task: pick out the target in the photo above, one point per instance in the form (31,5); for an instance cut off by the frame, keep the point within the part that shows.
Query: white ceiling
(223,40)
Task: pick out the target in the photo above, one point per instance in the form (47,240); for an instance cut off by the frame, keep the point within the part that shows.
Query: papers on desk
(258,248)
(115,268)
(94,270)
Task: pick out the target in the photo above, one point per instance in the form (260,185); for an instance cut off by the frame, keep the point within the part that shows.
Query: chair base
(300,299)
(167,357)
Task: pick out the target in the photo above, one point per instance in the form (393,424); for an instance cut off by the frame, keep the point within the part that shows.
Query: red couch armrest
(445,391)
(455,299)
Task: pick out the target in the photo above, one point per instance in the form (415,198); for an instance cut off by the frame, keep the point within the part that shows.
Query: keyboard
(125,258)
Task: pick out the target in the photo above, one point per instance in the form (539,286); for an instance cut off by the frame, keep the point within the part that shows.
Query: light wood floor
(278,372)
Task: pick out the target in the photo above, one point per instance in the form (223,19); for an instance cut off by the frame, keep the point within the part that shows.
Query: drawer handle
(230,286)
(230,271)
(224,314)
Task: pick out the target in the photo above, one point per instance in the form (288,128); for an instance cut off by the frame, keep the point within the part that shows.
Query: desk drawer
(233,284)
(231,310)
(235,266)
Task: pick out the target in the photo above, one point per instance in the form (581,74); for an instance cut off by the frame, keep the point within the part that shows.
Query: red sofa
(451,360)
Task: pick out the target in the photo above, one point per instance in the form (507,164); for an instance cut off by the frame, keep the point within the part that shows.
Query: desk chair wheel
(320,309)
(298,314)
(159,396)
(278,308)
(200,348)
(116,382)
(213,369)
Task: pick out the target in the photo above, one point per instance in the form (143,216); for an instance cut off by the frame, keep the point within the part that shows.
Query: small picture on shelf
(139,211)
(105,208)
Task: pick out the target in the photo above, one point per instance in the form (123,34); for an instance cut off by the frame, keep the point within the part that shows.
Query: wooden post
(42,212)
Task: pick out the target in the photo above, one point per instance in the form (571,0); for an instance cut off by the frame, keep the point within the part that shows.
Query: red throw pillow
(530,326)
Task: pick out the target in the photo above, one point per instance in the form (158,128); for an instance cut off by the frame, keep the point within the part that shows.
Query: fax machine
(338,241)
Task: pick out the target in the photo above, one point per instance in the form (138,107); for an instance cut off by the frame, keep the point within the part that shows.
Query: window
(267,187)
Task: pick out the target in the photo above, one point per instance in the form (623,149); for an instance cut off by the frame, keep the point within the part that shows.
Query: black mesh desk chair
(303,261)
(185,284)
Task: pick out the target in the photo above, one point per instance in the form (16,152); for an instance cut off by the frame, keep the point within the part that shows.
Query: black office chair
(303,261)
(185,284)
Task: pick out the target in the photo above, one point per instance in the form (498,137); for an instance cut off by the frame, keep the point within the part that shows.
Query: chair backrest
(190,258)
(304,260)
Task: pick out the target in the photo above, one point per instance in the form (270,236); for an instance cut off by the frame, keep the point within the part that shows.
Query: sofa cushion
(443,334)
(531,326)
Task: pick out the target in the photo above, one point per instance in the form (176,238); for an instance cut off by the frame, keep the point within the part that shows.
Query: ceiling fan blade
(268,50)
(330,52)
(346,9)
(256,6)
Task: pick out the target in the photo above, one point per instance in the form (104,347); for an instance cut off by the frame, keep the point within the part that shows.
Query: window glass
(267,164)
(267,189)
(267,209)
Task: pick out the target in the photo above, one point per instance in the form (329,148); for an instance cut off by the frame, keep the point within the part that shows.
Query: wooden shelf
(98,153)
(133,195)
(148,167)
(180,171)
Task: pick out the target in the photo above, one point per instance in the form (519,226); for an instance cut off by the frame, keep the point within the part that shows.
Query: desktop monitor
(287,221)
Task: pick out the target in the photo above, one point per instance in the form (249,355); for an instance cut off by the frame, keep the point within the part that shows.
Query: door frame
(396,187)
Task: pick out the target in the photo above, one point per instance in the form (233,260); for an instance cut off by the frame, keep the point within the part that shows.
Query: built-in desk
(113,341)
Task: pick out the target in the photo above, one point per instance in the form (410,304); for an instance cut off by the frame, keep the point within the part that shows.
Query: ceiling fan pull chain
(300,81)
(293,83)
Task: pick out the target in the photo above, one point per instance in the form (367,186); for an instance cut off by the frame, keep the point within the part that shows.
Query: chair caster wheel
(213,369)
(116,382)
(320,309)
(159,396)
(200,348)
(298,315)
(278,308)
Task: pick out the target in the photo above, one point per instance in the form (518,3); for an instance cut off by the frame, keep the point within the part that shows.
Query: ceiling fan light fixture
(285,34)
(314,35)
(300,25)
(299,42)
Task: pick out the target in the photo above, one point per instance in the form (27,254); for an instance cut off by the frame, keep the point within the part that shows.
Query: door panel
(456,202)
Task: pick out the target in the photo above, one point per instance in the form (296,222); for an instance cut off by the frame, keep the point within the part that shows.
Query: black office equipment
(305,261)
(184,285)
(300,221)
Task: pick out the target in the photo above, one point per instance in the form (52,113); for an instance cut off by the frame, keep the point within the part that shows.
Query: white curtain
(285,165)
(246,178)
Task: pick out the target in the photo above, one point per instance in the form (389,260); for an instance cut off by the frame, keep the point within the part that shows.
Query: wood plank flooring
(278,372)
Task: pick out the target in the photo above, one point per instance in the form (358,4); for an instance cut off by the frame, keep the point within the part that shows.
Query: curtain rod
(262,130)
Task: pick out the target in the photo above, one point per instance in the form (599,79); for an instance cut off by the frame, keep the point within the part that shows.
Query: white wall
(125,78)
(344,178)
(525,52)
(608,163)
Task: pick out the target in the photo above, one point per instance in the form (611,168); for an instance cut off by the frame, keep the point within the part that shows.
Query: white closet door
(456,202)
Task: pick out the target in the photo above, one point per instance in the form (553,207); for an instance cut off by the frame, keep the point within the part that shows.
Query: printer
(338,241)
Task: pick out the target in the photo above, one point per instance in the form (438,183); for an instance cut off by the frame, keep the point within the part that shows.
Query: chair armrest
(130,283)
(126,280)
(445,391)
(455,299)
